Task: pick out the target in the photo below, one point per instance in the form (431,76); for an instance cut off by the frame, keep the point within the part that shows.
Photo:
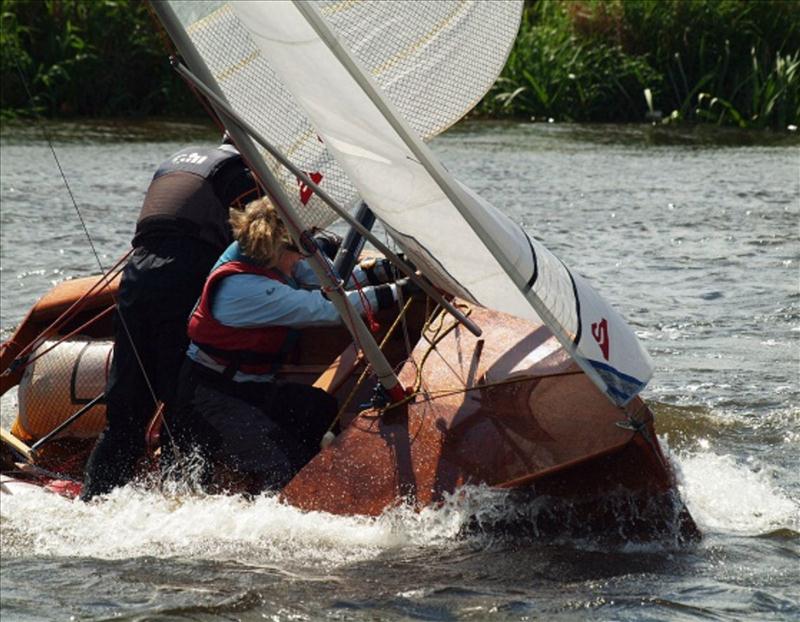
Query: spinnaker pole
(333,286)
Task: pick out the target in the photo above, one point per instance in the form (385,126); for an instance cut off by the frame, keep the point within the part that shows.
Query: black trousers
(266,430)
(159,287)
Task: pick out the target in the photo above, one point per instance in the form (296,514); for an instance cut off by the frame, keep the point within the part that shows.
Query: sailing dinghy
(514,373)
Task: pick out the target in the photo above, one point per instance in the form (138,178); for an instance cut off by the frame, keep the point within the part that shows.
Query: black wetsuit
(182,229)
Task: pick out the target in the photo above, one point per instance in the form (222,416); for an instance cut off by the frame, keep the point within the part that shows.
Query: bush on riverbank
(87,58)
(730,62)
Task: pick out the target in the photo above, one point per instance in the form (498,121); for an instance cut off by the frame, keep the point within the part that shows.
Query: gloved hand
(409,289)
(378,270)
(328,243)
(381,270)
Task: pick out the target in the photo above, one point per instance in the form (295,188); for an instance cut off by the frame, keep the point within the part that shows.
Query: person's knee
(309,399)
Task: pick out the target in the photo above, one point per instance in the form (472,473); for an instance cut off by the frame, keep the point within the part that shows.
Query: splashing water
(131,522)
(723,494)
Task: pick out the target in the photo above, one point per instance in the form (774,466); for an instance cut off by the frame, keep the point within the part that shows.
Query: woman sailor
(248,318)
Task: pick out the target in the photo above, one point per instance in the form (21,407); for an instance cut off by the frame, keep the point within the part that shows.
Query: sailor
(182,228)
(254,305)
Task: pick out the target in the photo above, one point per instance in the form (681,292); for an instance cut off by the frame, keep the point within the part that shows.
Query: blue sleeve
(304,275)
(306,278)
(249,300)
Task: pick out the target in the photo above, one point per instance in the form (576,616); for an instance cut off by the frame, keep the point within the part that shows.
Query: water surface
(694,235)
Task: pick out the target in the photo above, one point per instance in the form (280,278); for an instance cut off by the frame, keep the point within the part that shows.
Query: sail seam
(535,276)
(578,320)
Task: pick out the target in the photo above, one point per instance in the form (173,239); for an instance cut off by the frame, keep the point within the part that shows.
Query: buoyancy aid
(258,350)
(190,193)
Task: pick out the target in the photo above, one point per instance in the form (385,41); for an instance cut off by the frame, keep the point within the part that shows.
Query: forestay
(434,59)
(462,243)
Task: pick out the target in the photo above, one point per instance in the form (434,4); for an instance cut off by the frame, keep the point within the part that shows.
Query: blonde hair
(261,234)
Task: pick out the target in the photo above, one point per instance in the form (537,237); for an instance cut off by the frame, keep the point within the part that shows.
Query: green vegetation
(87,58)
(729,62)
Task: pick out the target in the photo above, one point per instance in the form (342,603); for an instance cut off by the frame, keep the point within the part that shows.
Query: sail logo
(600,334)
(189,158)
(305,191)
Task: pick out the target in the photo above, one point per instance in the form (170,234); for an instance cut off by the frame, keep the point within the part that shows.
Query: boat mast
(333,286)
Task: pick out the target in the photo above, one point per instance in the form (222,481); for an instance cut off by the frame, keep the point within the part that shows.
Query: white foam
(726,494)
(723,494)
(8,407)
(131,522)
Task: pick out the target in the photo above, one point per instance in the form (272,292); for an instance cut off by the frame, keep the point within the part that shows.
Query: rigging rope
(60,169)
(434,323)
(437,338)
(66,337)
(88,236)
(21,360)
(368,368)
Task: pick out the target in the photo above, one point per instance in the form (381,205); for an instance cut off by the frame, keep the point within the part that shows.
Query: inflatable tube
(56,385)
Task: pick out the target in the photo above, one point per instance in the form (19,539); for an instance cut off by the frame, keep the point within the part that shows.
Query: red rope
(372,323)
(97,317)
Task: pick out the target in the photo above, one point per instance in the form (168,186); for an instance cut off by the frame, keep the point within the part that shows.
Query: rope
(447,392)
(105,280)
(437,338)
(64,338)
(369,314)
(439,335)
(123,323)
(60,170)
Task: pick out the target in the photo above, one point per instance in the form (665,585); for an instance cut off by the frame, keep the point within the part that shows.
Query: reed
(729,62)
(554,72)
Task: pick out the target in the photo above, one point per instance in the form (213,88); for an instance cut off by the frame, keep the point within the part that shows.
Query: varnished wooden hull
(509,410)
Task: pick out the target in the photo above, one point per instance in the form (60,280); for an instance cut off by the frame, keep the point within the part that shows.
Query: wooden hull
(509,410)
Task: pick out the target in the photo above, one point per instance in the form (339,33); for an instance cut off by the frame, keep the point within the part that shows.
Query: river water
(693,234)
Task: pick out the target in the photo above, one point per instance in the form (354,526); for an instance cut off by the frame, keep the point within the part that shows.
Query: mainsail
(435,60)
(457,239)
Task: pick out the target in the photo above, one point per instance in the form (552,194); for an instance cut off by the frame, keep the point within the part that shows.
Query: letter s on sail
(600,334)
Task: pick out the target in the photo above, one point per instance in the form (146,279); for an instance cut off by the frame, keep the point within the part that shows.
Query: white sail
(434,59)
(340,112)
(457,239)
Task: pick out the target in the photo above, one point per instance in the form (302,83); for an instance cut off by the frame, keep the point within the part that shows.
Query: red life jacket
(258,350)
